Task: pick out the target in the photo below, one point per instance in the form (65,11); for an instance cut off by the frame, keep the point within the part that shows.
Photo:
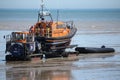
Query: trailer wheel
(27,58)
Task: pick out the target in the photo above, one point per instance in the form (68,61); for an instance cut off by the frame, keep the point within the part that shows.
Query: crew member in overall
(42,27)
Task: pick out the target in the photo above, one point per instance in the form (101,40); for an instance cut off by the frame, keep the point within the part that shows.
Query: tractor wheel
(8,58)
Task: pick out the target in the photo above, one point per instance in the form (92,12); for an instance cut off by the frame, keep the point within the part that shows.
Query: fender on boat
(94,50)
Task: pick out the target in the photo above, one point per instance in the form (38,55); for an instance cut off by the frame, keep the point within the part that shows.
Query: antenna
(42,13)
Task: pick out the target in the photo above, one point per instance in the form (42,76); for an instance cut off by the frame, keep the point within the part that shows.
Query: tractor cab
(19,36)
(19,45)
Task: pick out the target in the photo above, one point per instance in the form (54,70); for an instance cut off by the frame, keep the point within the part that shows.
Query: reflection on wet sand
(36,74)
(55,75)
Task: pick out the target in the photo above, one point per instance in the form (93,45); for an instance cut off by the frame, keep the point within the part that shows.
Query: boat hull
(55,44)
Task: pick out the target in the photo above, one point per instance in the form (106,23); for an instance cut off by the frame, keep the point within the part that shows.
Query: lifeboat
(52,36)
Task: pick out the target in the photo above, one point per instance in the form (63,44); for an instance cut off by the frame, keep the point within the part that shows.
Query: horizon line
(61,8)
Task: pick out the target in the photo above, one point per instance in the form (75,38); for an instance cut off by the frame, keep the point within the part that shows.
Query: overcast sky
(61,4)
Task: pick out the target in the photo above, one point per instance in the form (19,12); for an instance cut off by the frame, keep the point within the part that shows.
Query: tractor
(19,46)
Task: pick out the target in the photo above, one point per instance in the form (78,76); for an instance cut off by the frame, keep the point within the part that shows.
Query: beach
(94,30)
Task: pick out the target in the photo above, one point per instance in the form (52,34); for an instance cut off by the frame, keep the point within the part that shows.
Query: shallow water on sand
(82,67)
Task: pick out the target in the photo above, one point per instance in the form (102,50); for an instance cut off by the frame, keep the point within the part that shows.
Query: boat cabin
(51,29)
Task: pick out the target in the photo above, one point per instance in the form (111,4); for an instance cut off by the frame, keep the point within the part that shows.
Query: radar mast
(43,12)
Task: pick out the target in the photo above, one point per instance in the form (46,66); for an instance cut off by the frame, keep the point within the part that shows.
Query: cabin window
(19,36)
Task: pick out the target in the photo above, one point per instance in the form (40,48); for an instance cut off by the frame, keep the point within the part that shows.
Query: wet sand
(82,67)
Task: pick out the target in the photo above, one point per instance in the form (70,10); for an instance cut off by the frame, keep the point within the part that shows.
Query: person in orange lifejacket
(36,30)
(31,29)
